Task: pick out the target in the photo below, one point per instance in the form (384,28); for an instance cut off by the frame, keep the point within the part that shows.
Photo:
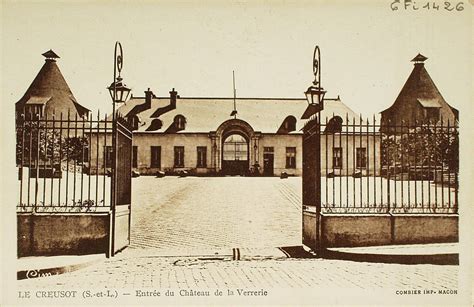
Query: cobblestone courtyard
(222,272)
(204,213)
(184,231)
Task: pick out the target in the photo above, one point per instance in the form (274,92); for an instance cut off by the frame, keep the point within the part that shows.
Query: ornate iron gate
(312,184)
(121,187)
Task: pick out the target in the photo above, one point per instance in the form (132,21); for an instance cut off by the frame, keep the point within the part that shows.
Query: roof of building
(50,87)
(429,103)
(420,88)
(206,114)
(37,100)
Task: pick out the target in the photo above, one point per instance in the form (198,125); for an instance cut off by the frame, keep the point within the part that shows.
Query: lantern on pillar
(315,93)
(121,91)
(118,90)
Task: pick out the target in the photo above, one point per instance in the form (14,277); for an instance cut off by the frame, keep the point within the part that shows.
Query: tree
(48,145)
(425,146)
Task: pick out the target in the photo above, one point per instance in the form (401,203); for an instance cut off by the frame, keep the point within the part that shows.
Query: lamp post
(119,93)
(312,158)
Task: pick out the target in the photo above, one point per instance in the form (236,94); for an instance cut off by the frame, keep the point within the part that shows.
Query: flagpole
(235,106)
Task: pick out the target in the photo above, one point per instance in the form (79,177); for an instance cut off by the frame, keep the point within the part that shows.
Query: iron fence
(367,167)
(63,165)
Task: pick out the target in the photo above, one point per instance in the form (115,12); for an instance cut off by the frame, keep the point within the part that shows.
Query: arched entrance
(235,154)
(234,147)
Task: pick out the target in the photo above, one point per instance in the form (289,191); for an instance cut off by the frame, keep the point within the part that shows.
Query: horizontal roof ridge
(223,98)
(231,98)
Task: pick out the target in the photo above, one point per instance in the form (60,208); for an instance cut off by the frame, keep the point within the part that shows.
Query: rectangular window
(179,156)
(155,160)
(267,150)
(201,156)
(290,157)
(108,156)
(361,157)
(337,157)
(135,156)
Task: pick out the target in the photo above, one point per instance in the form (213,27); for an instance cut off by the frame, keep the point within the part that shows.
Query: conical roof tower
(419,100)
(49,93)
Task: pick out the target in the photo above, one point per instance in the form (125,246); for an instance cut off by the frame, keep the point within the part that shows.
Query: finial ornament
(50,55)
(119,57)
(317,67)
(419,58)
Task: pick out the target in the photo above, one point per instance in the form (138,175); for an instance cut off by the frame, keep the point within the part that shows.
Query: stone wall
(66,234)
(346,230)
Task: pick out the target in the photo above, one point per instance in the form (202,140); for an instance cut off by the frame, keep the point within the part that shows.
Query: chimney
(148,97)
(173,96)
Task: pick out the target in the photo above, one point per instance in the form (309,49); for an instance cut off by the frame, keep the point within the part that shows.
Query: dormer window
(134,122)
(34,107)
(290,123)
(430,109)
(155,125)
(33,110)
(334,125)
(431,115)
(180,122)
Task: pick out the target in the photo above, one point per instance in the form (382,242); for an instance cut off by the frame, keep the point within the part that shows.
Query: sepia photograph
(236,153)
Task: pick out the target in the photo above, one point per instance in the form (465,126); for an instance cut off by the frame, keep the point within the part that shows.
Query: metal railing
(62,165)
(367,167)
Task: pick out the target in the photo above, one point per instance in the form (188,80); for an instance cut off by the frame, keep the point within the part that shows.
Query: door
(268,164)
(235,155)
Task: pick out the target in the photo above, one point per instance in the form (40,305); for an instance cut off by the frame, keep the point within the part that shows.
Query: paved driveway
(192,213)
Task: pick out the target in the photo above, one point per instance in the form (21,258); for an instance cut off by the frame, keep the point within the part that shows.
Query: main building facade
(204,136)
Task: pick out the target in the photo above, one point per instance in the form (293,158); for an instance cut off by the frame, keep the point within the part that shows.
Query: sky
(366,49)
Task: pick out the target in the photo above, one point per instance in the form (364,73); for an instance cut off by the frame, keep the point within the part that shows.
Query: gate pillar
(311,218)
(255,145)
(312,159)
(214,153)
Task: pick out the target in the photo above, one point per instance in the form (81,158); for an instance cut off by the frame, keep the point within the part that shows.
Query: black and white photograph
(236,153)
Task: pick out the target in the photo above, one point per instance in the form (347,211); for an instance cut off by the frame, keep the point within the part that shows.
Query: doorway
(268,161)
(235,155)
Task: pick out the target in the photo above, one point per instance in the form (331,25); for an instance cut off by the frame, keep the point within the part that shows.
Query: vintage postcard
(236,152)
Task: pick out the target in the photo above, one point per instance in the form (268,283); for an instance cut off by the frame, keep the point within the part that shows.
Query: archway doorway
(235,155)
